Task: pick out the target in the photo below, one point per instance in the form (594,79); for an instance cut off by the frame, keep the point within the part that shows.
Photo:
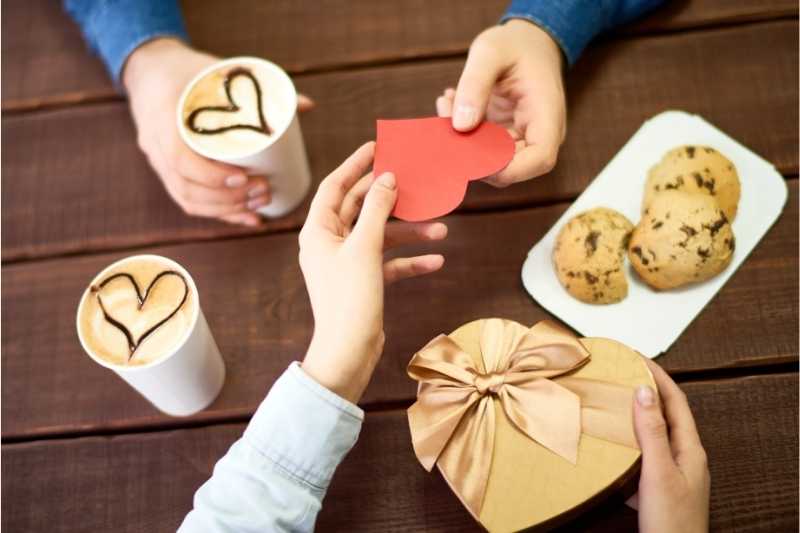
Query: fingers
(304,103)
(444,104)
(244,219)
(684,438)
(334,188)
(408,233)
(206,172)
(529,162)
(651,432)
(481,70)
(354,200)
(378,204)
(409,267)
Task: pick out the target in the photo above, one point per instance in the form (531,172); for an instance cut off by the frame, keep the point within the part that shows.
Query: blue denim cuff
(115,28)
(304,428)
(572,24)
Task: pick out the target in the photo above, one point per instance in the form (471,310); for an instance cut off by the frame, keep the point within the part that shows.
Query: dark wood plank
(75,181)
(255,301)
(46,61)
(145,482)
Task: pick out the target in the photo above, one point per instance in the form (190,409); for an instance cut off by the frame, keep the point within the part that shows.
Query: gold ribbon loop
(453,420)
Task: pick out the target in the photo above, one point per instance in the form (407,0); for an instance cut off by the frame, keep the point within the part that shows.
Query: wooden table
(81,451)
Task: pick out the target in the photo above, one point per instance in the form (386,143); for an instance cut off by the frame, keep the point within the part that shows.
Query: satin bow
(453,420)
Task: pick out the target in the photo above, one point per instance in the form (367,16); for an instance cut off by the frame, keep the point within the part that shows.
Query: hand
(674,486)
(513,76)
(154,77)
(345,272)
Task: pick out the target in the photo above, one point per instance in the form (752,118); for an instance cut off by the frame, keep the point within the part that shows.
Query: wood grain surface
(82,166)
(254,298)
(41,41)
(748,426)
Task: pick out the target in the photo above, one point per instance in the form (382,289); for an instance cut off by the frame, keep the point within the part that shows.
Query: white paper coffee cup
(280,156)
(183,381)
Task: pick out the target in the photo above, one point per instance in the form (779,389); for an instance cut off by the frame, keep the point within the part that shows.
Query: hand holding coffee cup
(243,111)
(155,75)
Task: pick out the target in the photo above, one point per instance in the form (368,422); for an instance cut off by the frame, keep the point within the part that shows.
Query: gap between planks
(28,106)
(242,416)
(471,211)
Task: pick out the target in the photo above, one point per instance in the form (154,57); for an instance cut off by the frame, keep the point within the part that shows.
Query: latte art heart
(231,108)
(141,299)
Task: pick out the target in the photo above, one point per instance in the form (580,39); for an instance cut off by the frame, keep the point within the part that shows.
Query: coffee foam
(118,296)
(278,101)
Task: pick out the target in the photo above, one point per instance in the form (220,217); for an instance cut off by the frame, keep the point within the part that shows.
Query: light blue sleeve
(573,23)
(115,28)
(275,477)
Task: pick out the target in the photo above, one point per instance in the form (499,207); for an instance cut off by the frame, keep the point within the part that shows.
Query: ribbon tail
(433,420)
(547,413)
(606,409)
(467,460)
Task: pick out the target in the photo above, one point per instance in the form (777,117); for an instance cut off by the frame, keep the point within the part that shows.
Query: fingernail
(464,116)
(645,396)
(237,180)
(387,180)
(252,205)
(258,190)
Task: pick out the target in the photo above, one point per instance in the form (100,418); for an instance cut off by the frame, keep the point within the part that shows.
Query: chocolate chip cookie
(683,238)
(589,256)
(696,169)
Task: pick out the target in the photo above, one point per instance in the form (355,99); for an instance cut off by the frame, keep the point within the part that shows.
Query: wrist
(345,371)
(540,38)
(142,61)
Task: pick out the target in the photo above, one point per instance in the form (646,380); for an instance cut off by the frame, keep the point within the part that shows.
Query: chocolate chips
(591,242)
(590,278)
(657,224)
(717,225)
(688,230)
(638,251)
(677,185)
(690,151)
(705,184)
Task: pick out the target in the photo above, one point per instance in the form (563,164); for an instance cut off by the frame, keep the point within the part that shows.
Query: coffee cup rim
(238,60)
(192,325)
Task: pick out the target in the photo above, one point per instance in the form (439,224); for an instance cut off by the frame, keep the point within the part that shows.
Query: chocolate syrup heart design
(133,344)
(232,107)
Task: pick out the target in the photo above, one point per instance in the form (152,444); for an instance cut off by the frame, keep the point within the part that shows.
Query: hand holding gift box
(525,424)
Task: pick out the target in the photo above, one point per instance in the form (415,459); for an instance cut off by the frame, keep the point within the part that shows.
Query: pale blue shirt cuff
(304,429)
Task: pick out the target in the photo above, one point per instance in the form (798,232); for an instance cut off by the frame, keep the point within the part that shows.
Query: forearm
(275,477)
(115,28)
(573,23)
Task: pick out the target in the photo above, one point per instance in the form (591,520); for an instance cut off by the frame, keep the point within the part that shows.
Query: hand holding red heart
(154,77)
(513,77)
(345,272)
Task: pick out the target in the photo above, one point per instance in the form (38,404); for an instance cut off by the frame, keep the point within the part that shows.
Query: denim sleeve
(115,28)
(275,477)
(573,23)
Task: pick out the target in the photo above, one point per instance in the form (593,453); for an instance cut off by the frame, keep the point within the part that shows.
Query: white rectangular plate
(646,320)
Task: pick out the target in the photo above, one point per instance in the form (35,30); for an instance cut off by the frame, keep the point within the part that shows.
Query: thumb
(652,434)
(475,86)
(377,207)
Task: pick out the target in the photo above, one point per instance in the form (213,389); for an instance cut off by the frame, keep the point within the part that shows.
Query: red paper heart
(433,162)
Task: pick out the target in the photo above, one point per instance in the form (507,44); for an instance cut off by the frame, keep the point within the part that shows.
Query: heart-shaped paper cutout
(433,163)
(232,107)
(133,343)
